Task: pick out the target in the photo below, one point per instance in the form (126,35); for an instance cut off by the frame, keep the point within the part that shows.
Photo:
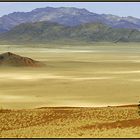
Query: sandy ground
(71,122)
(76,79)
(84,76)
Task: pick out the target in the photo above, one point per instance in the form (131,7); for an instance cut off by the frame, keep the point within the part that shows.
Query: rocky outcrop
(11,59)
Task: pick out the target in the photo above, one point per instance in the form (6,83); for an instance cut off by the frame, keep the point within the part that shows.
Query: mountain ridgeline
(68,16)
(48,31)
(67,23)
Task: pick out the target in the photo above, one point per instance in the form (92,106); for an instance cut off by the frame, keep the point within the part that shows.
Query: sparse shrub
(139,108)
(4,110)
(66,123)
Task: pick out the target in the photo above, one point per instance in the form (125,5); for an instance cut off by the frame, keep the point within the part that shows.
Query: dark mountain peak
(130,17)
(45,9)
(14,14)
(11,59)
(61,10)
(73,9)
(68,16)
(111,17)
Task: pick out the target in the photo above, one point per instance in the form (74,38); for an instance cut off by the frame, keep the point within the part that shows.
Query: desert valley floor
(60,99)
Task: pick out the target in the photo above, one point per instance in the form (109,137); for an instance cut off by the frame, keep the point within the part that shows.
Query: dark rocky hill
(11,59)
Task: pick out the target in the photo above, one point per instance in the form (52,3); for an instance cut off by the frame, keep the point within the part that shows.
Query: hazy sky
(115,8)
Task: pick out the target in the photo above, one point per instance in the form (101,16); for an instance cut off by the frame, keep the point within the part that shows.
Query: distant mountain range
(90,32)
(66,16)
(45,24)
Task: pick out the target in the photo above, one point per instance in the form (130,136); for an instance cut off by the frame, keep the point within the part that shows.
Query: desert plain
(87,90)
